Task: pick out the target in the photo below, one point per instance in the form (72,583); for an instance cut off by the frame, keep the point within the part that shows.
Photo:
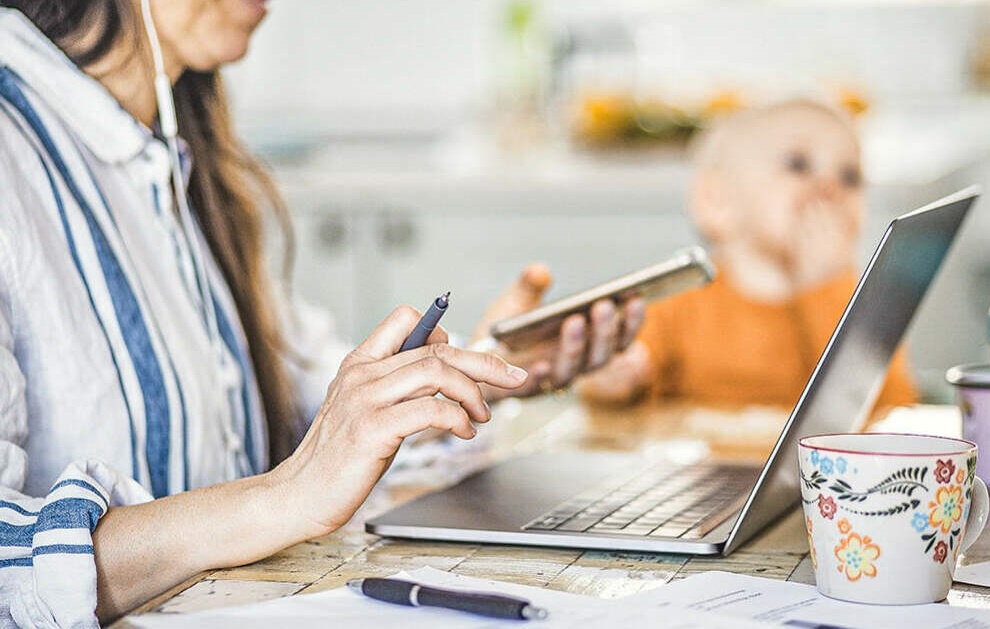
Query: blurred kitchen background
(436,145)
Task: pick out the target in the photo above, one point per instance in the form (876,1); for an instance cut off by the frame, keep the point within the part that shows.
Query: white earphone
(170,129)
(229,376)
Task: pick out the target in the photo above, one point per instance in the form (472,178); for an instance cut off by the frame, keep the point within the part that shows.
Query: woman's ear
(711,209)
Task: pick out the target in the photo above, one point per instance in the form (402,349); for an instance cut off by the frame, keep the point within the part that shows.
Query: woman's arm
(378,398)
(142,550)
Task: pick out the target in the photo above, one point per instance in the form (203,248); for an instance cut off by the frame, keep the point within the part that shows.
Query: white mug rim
(971,447)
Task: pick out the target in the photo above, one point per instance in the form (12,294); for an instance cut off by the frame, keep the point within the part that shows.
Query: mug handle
(978,508)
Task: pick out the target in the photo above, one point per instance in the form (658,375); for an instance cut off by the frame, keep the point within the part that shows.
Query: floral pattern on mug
(947,508)
(940,552)
(944,471)
(857,556)
(827,507)
(808,526)
(939,525)
(826,465)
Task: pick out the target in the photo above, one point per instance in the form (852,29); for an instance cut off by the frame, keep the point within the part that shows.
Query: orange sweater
(715,346)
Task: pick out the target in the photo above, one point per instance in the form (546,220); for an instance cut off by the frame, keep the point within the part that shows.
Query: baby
(778,195)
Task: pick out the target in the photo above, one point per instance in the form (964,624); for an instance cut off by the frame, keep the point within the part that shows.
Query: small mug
(887,514)
(972,383)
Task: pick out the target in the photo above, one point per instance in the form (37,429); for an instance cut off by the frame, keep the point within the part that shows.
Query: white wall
(388,66)
(353,67)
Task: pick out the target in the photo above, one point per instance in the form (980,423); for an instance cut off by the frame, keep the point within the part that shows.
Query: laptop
(616,501)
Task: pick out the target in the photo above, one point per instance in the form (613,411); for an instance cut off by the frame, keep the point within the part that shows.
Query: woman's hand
(584,344)
(622,380)
(377,399)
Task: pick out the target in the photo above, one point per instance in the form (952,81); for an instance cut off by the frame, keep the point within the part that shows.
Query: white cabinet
(475,257)
(325,269)
(361,260)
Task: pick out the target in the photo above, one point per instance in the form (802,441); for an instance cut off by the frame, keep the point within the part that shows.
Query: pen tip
(355,585)
(444,299)
(531,612)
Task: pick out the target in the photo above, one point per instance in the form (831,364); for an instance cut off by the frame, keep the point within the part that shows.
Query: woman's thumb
(524,294)
(529,287)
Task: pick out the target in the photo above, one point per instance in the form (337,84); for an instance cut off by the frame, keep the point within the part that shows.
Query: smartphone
(686,269)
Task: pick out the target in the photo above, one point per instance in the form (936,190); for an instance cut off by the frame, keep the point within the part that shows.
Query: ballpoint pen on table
(414,595)
(426,323)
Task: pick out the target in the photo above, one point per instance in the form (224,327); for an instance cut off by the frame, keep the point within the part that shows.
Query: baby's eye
(798,163)
(851,177)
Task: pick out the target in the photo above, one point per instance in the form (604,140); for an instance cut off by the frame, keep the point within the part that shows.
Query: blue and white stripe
(105,359)
(47,565)
(138,353)
(146,371)
(63,524)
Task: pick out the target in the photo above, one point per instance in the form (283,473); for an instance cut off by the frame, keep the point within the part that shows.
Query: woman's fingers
(427,377)
(478,366)
(386,339)
(438,335)
(604,333)
(408,418)
(570,353)
(634,313)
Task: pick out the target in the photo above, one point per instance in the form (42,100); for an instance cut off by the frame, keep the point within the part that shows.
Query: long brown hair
(224,188)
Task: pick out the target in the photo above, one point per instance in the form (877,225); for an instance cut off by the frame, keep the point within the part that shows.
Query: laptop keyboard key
(548,523)
(668,502)
(577,524)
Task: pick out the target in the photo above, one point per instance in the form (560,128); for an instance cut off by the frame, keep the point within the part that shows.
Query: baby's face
(796,162)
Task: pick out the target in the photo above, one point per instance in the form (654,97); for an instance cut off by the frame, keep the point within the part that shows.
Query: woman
(146,385)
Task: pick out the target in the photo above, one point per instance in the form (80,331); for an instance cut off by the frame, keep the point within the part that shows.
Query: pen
(426,323)
(415,595)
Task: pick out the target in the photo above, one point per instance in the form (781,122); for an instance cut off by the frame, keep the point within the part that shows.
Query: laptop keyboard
(661,501)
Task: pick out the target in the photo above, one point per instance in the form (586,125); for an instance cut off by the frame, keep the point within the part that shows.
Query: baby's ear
(711,208)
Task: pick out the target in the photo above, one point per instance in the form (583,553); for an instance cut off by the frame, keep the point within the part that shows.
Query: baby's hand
(824,245)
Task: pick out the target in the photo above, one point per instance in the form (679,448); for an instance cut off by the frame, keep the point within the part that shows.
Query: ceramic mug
(887,514)
(972,383)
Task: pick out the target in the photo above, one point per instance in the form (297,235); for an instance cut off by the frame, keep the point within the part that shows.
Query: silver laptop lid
(848,377)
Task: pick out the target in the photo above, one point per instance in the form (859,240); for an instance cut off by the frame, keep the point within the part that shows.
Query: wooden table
(781,552)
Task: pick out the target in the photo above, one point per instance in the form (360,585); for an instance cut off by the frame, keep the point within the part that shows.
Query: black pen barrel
(426,325)
(389,590)
(415,595)
(490,605)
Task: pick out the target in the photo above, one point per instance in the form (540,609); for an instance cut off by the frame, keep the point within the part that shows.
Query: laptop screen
(848,377)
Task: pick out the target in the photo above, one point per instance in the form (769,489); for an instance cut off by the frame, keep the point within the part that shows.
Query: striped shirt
(110,389)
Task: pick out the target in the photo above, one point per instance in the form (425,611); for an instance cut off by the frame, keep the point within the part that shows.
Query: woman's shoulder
(27,204)
(22,172)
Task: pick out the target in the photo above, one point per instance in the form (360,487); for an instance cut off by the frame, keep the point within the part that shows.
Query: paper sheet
(782,603)
(342,608)
(712,600)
